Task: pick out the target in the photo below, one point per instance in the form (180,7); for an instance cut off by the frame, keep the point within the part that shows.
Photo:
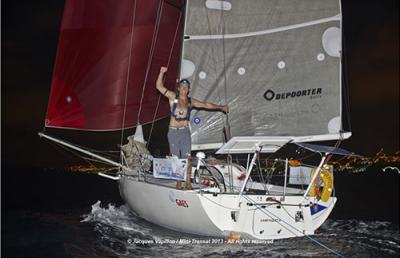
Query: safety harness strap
(173,113)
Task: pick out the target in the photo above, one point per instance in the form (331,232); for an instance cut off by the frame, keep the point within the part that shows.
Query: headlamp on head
(185,81)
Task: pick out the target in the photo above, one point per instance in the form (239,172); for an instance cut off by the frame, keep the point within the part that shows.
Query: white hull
(222,214)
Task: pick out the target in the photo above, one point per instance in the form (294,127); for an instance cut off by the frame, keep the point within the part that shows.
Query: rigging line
(223,53)
(213,53)
(218,204)
(271,171)
(223,72)
(269,213)
(68,150)
(261,175)
(159,96)
(150,59)
(56,148)
(93,150)
(226,123)
(345,81)
(215,65)
(176,33)
(90,163)
(152,123)
(93,160)
(128,72)
(342,158)
(283,207)
(308,156)
(337,144)
(106,154)
(89,149)
(106,151)
(230,172)
(270,157)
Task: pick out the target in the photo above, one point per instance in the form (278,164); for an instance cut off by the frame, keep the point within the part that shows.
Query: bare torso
(182,108)
(183,105)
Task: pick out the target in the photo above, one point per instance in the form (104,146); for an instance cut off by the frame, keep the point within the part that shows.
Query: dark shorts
(180,141)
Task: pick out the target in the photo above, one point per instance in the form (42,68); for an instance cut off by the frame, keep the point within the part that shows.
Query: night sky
(29,42)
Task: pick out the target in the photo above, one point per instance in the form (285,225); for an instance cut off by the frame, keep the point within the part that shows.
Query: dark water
(59,214)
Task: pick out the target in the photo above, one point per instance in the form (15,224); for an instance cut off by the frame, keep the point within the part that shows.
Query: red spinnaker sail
(104,51)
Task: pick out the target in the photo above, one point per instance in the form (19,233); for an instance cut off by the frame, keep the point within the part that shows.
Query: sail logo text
(182,203)
(271,95)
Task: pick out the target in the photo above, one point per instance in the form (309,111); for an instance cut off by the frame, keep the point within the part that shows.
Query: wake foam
(116,217)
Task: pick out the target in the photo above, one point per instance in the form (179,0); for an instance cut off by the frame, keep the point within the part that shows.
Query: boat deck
(166,182)
(171,183)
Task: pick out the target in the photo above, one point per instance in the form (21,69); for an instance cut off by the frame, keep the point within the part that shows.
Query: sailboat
(277,64)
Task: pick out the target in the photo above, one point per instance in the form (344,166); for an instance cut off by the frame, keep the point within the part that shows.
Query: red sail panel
(105,52)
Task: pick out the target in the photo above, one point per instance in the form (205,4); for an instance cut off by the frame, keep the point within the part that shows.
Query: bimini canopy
(269,144)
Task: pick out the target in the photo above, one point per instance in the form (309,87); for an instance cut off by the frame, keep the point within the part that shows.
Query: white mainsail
(277,64)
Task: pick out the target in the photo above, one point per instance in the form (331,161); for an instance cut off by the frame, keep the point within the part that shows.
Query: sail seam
(264,32)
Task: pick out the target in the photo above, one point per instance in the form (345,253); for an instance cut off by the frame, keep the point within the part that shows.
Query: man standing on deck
(179,137)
